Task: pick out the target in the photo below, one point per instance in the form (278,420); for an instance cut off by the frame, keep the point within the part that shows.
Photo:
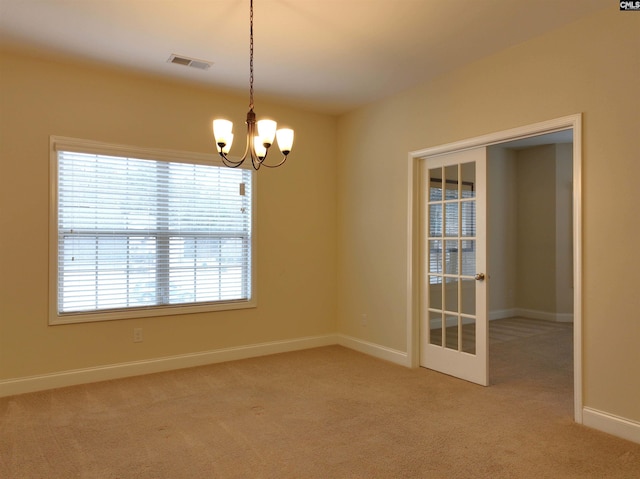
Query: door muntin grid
(451,257)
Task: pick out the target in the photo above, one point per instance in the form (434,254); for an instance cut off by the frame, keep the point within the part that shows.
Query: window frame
(59,143)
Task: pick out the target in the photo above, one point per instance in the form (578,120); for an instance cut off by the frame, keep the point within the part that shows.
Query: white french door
(453,300)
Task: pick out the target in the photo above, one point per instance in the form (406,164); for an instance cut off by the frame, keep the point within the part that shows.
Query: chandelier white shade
(260,134)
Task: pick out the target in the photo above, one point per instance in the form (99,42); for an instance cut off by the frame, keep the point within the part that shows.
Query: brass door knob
(479,277)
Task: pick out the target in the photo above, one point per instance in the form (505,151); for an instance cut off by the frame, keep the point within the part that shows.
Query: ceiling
(563,136)
(326,55)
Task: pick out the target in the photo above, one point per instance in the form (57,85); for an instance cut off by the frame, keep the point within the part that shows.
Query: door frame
(571,122)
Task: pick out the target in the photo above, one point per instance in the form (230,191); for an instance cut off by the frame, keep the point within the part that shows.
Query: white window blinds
(140,233)
(451,220)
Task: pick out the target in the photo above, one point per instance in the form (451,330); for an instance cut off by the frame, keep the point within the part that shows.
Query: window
(141,232)
(446,255)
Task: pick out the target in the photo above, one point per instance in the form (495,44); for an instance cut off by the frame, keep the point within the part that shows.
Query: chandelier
(260,135)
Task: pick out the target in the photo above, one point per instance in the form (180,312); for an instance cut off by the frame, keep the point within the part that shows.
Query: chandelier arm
(228,162)
(284,158)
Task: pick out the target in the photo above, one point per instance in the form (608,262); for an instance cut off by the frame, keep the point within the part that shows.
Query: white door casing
(573,122)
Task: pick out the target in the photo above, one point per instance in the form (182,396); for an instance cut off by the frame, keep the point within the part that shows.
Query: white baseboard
(503,314)
(602,421)
(564,317)
(449,322)
(532,314)
(11,387)
(611,424)
(520,312)
(375,350)
(74,377)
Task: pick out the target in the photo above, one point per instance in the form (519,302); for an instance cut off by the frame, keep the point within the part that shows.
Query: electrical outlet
(137,335)
(363,319)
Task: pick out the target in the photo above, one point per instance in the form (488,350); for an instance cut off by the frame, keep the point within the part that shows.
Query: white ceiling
(326,55)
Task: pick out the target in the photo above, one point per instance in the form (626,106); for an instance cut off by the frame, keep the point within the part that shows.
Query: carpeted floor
(321,413)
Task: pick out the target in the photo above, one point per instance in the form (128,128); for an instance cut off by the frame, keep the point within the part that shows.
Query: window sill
(131,313)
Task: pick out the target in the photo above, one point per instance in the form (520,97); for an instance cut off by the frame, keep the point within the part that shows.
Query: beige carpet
(322,413)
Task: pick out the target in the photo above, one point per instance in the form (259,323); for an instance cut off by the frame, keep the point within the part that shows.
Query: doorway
(530,260)
(416,269)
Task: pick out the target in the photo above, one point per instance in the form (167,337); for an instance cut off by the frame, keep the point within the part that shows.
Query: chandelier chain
(259,140)
(251,56)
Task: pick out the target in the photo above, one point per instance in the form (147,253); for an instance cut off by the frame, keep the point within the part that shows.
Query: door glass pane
(468,257)
(468,210)
(451,294)
(435,328)
(451,332)
(435,184)
(468,172)
(451,220)
(435,292)
(468,296)
(435,220)
(469,335)
(451,257)
(451,182)
(435,256)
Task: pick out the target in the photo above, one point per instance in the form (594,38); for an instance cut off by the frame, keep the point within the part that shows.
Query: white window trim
(59,143)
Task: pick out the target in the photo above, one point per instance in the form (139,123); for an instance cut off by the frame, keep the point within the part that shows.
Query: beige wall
(588,67)
(536,228)
(564,229)
(296,215)
(530,231)
(502,230)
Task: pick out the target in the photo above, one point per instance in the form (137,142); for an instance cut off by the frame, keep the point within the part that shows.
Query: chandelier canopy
(260,134)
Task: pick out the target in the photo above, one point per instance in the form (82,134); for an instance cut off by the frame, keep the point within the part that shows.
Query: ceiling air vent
(189,62)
